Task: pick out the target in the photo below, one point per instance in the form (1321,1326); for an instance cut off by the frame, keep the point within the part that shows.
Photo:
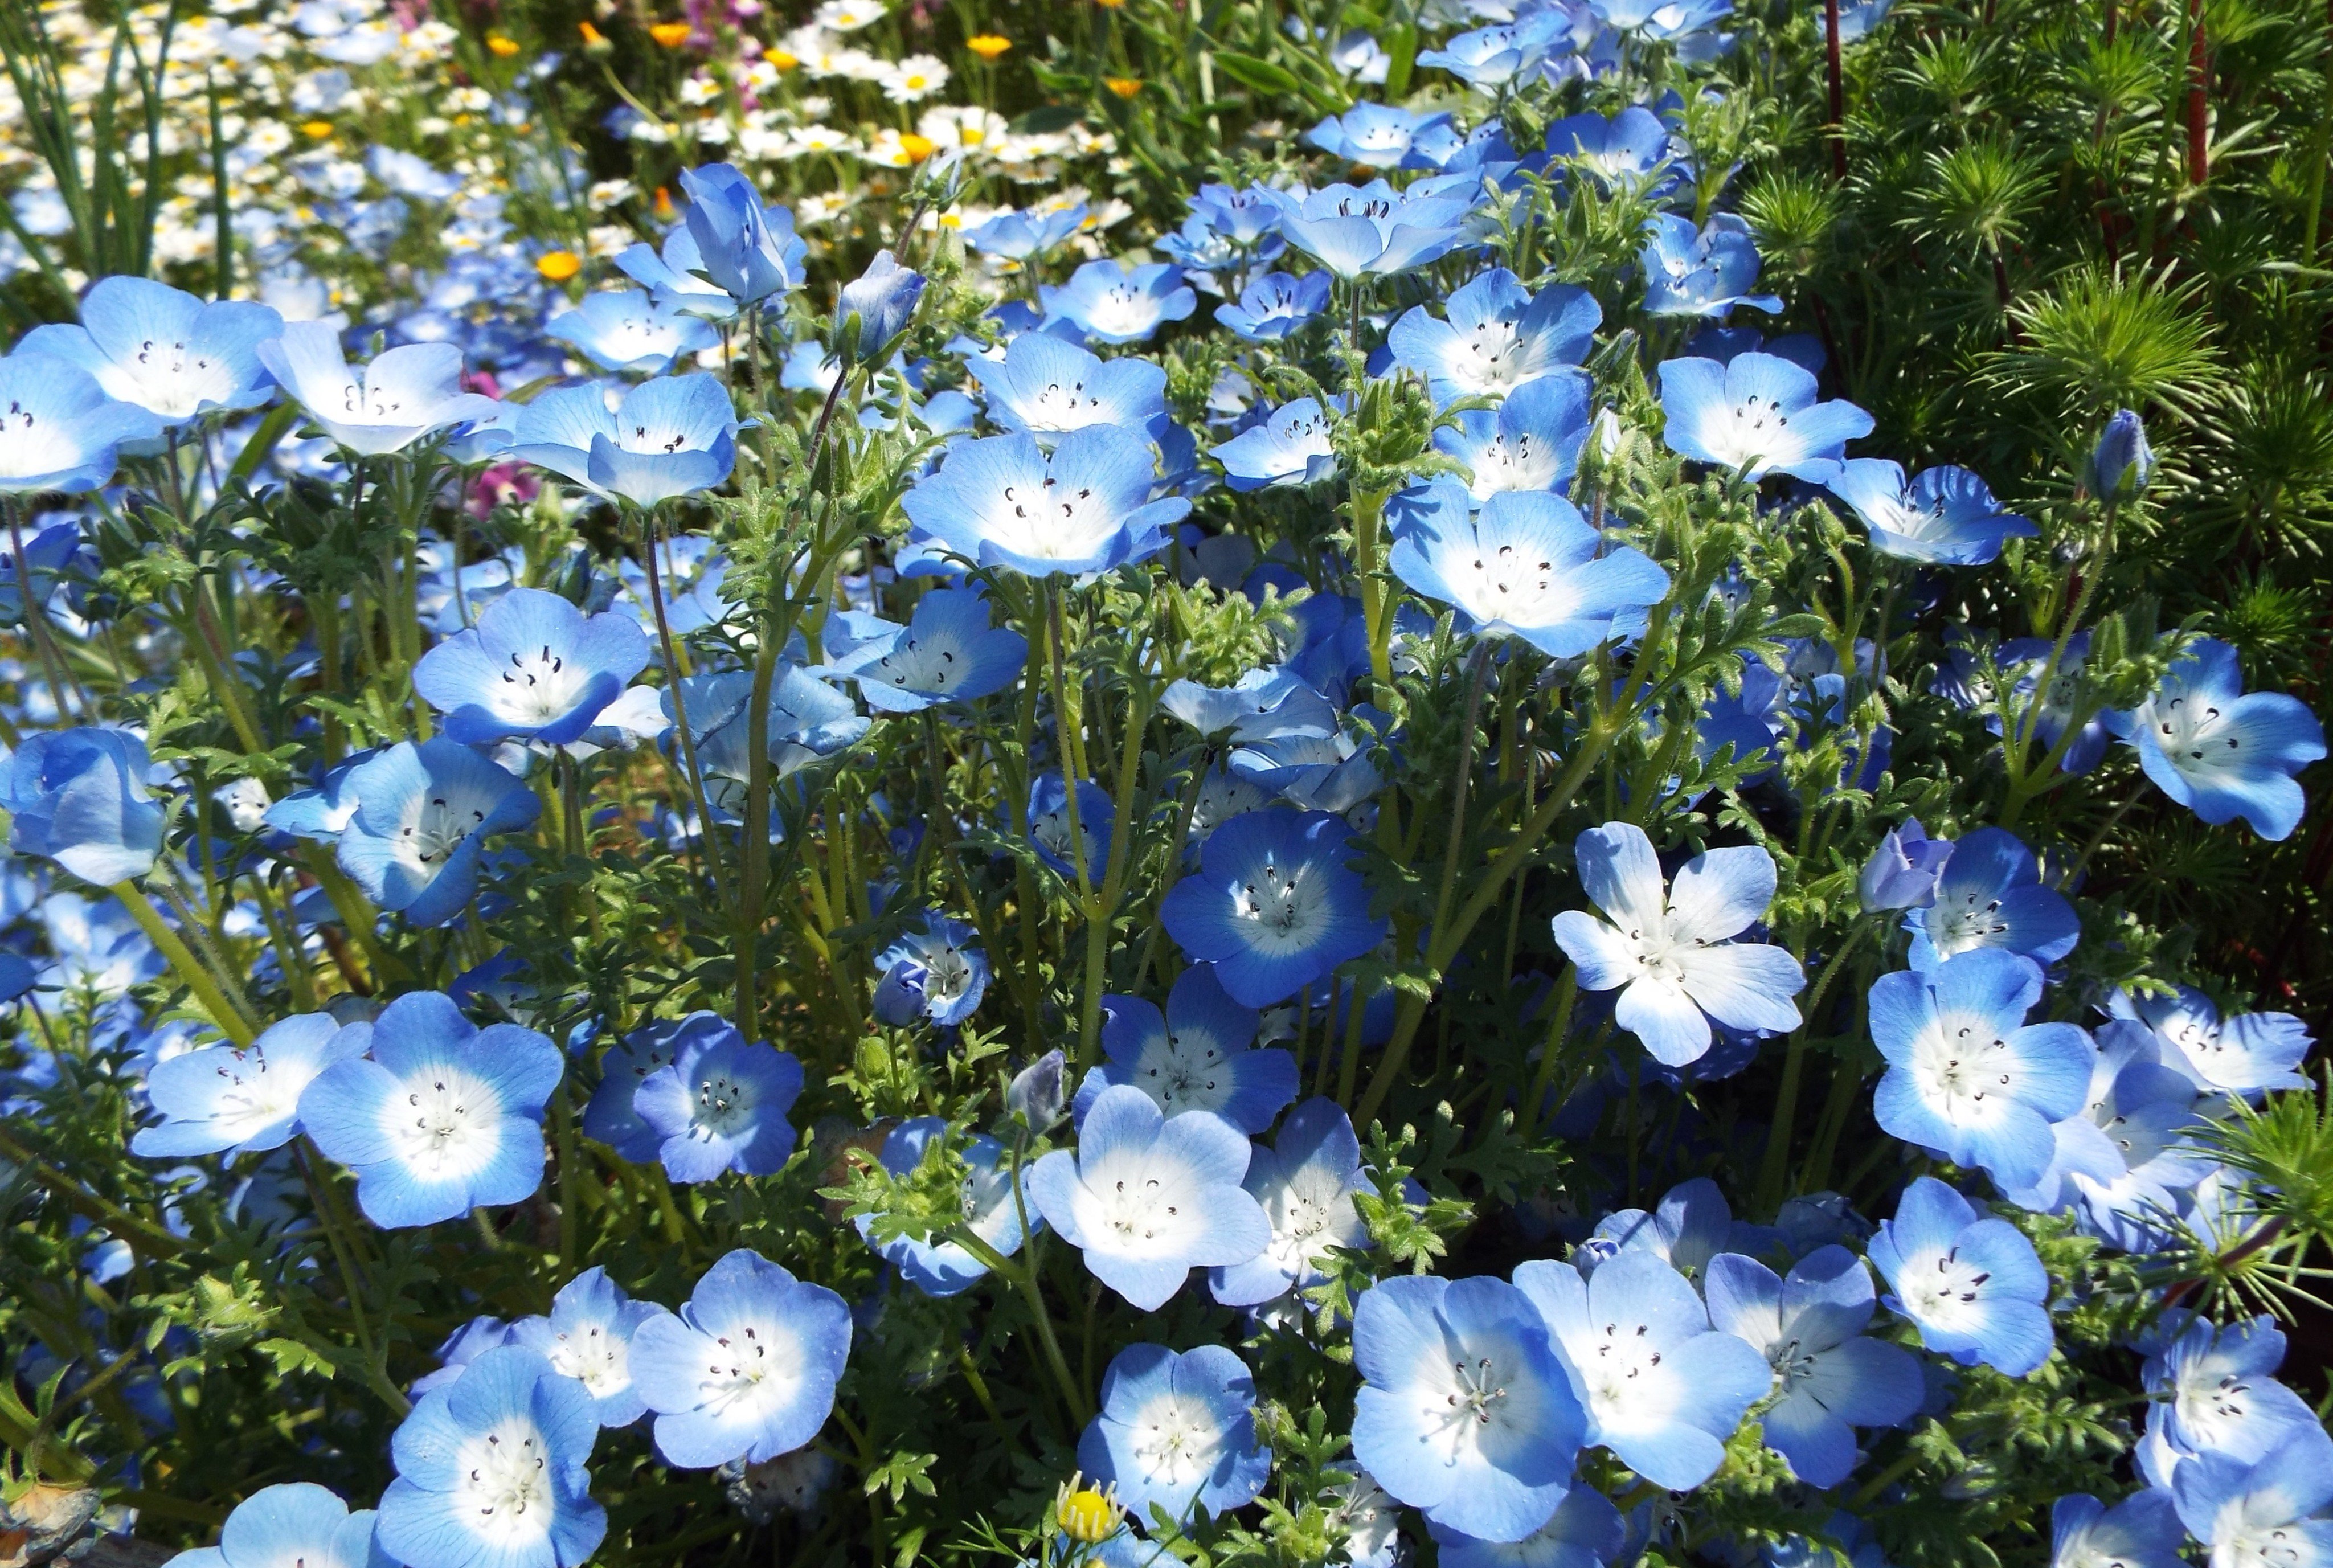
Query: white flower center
(1177,1442)
(1282,909)
(505,1484)
(445,1125)
(438,824)
(746,1366)
(2196,735)
(537,688)
(1945,1290)
(1624,1361)
(255,1094)
(599,1360)
(724,1106)
(1966,1072)
(931,662)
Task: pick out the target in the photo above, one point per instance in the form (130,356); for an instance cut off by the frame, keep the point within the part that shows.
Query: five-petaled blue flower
(746,1370)
(1756,414)
(1945,516)
(1114,303)
(1374,135)
(1498,336)
(1531,441)
(1198,1055)
(948,652)
(1526,565)
(423,812)
(1990,895)
(750,250)
(1275,306)
(1083,508)
(1292,447)
(673,436)
(589,1337)
(1905,871)
(992,1209)
(2221,751)
(1374,231)
(534,668)
(1700,272)
(1973,1287)
(59,430)
(2141,1531)
(629,331)
(244,1098)
(1176,1432)
(80,797)
(1050,388)
(2243,1055)
(164,351)
(1274,905)
(932,971)
(402,396)
(720,1104)
(1305,1180)
(292,1522)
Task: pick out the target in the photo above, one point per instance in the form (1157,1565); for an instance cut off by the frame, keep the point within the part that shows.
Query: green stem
(145,1234)
(1566,993)
(1786,1095)
(229,1018)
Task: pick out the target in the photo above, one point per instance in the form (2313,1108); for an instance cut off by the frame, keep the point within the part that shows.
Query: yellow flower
(988,45)
(1086,1514)
(505,47)
(917,148)
(671,35)
(319,128)
(780,59)
(559,265)
(595,43)
(1124,86)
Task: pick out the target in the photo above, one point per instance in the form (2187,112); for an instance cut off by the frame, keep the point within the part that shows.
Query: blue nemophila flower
(2141,1531)
(1631,151)
(2021,661)
(673,277)
(1259,704)
(2211,1389)
(1464,1412)
(163,349)
(423,813)
(882,299)
(444,1118)
(1945,516)
(1496,56)
(1020,235)
(1374,231)
(2240,1056)
(720,1104)
(57,553)
(1498,336)
(673,436)
(1115,304)
(244,1098)
(2119,466)
(293,1522)
(1083,508)
(79,797)
(1305,1180)
(1526,565)
(1249,217)
(1904,872)
(1990,895)
(1700,272)
(2122,1164)
(1147,1198)
(1198,1055)
(746,1370)
(1049,387)
(750,250)
(808,719)
(1966,1075)
(2275,1513)
(59,430)
(1829,1377)
(1973,1287)
(1176,1432)
(628,330)
(402,396)
(1483,154)
(611,1116)
(1755,413)
(1273,906)
(534,668)
(1531,441)
(1690,1224)
(1662,1389)
(934,971)
(1585,1531)
(948,652)
(1671,950)
(1049,832)
(490,1471)
(1374,135)
(589,1337)
(2220,751)
(938,1266)
(1275,306)
(1294,447)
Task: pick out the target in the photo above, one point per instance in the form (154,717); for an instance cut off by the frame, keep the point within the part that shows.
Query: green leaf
(1262,75)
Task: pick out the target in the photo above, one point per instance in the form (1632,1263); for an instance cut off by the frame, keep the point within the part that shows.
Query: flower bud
(2122,462)
(1902,871)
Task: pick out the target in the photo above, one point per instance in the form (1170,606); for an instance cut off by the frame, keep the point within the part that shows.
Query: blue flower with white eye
(2221,751)
(1049,387)
(611,1116)
(1701,273)
(883,298)
(1946,517)
(1756,414)
(1248,217)
(750,250)
(628,330)
(1966,1075)
(1207,257)
(80,797)
(1305,1181)
(2240,1055)
(589,1337)
(1464,1412)
(1273,906)
(746,1368)
(1120,304)
(1498,335)
(1905,871)
(2211,1389)
(808,720)
(1022,236)
(1147,1198)
(1830,1377)
(293,1522)
(673,436)
(1374,135)
(1526,565)
(1176,1432)
(720,1104)
(1483,154)
(222,1098)
(534,668)
(1585,1531)
(1294,447)
(1198,1055)
(933,971)
(1989,896)
(423,814)
(1632,150)
(59,430)
(2121,1159)
(1531,441)
(1049,832)
(2141,1531)
(948,652)
(1668,950)
(1496,56)
(402,396)
(1690,1224)
(1081,509)
(164,351)
(2275,1513)
(444,1118)
(1260,704)
(940,1267)
(675,277)
(1371,231)
(1973,1287)
(1662,1389)
(490,1471)
(1275,306)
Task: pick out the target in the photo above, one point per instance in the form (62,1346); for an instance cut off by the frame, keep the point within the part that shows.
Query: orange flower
(1124,86)
(595,43)
(671,35)
(559,265)
(319,128)
(988,45)
(663,204)
(505,47)
(918,148)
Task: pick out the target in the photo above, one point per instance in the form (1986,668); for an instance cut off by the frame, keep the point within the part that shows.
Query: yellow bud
(780,59)
(1124,86)
(671,35)
(505,47)
(917,148)
(319,128)
(559,265)
(988,45)
(595,43)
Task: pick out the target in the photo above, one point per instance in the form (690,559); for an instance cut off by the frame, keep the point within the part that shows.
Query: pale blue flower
(423,813)
(2211,1389)
(992,1209)
(1700,272)
(1374,135)
(80,797)
(1756,414)
(1631,151)
(589,1337)
(611,1116)
(1021,235)
(1690,1224)
(673,436)
(1275,306)
(746,1370)
(1499,55)
(241,1099)
(1198,1055)
(1990,895)
(933,971)
(2274,1513)
(882,299)
(1177,1432)
(1084,508)
(1305,1181)
(720,1105)
(1292,447)
(1497,336)
(59,430)
(1049,387)
(1945,516)
(1973,1287)
(403,395)
(1115,304)
(628,330)
(1527,565)
(534,668)
(1585,1531)
(291,1522)
(2221,751)
(164,351)
(1372,231)
(948,652)
(2245,1055)
(673,277)
(2141,1531)
(1531,441)
(750,250)
(1273,907)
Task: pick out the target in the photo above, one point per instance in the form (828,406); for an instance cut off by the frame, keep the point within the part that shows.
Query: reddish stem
(1837,90)
(2198,72)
